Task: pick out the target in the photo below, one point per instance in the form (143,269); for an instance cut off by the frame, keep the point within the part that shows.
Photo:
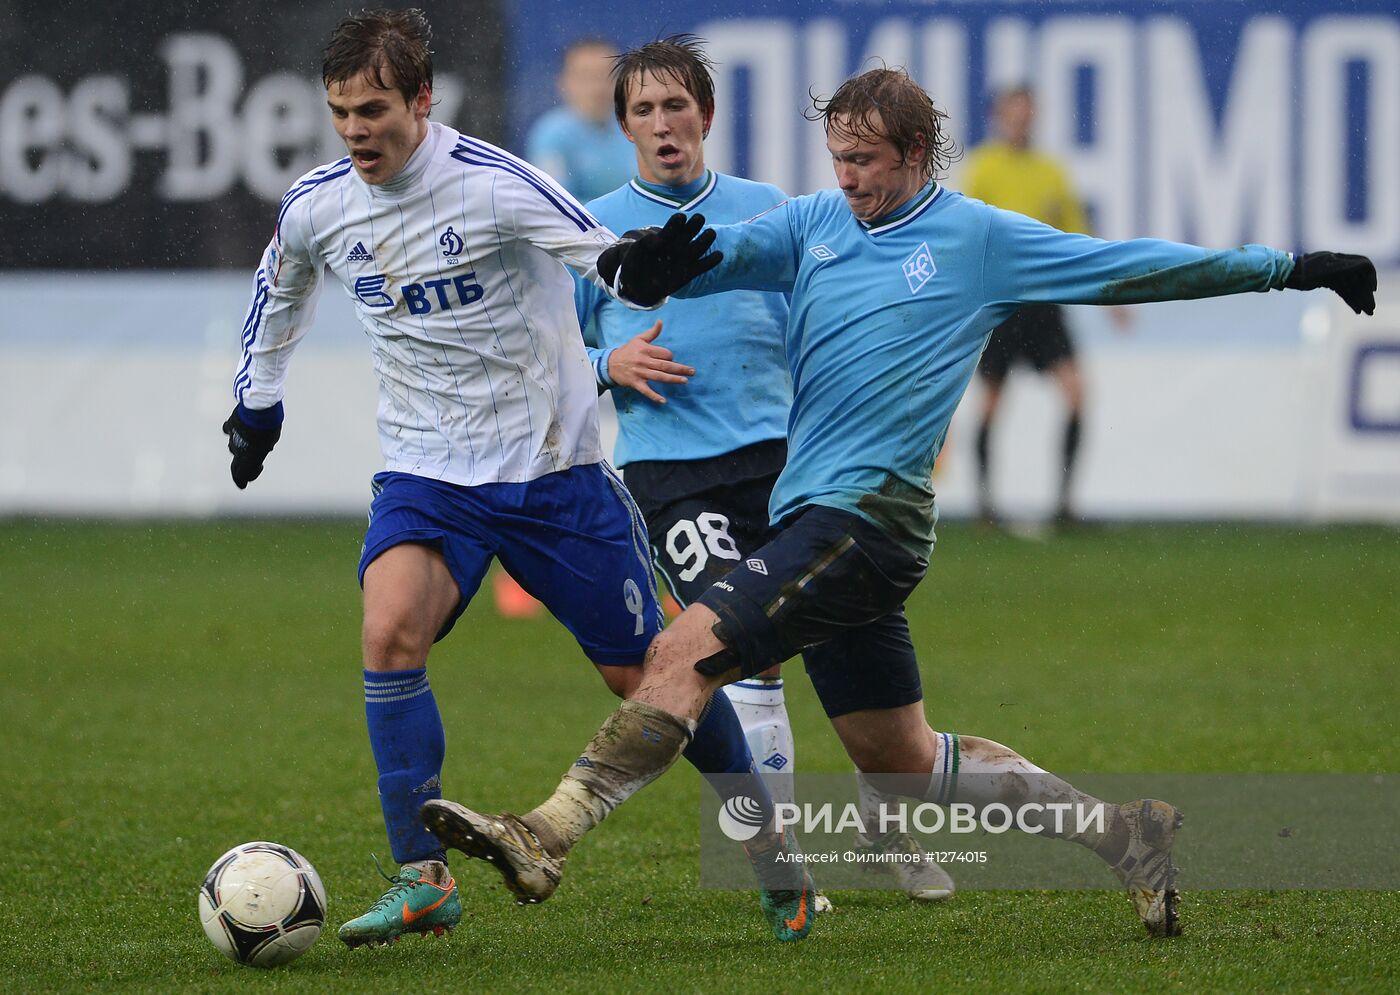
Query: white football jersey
(456,271)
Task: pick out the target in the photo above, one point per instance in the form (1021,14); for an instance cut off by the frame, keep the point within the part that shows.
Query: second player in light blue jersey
(702,459)
(896,284)
(703,451)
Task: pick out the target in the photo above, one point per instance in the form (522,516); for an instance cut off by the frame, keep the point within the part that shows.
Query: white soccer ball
(262,904)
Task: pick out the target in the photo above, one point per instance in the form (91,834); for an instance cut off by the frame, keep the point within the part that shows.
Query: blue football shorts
(573,539)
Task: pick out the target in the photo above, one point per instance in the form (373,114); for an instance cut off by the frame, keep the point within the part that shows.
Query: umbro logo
(359,254)
(821,253)
(583,762)
(777,761)
(757,566)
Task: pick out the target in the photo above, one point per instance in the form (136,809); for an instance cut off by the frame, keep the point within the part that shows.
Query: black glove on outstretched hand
(249,446)
(656,262)
(1353,278)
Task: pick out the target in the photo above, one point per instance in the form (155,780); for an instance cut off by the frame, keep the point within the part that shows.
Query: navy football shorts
(697,539)
(832,586)
(574,539)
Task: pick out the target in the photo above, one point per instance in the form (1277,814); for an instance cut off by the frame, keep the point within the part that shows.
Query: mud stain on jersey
(553,441)
(1205,277)
(903,511)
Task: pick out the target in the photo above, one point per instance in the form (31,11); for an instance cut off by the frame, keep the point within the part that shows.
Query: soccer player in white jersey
(452,251)
(896,285)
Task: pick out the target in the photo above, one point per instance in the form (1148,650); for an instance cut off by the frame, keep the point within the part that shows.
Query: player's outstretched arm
(647,265)
(1352,278)
(1029,262)
(251,436)
(639,362)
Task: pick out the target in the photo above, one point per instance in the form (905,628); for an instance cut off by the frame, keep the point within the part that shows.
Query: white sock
(759,705)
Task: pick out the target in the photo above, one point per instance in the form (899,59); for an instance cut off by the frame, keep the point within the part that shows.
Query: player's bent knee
(394,642)
(688,639)
(665,655)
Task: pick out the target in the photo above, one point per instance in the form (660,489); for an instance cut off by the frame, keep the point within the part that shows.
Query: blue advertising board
(1214,121)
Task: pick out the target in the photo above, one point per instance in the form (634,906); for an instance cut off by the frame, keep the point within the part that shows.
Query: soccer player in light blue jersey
(702,459)
(579,143)
(896,284)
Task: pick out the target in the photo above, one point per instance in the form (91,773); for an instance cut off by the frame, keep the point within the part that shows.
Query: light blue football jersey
(741,391)
(888,320)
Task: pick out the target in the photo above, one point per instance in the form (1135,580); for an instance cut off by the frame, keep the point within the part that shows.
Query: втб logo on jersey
(451,244)
(421,298)
(919,268)
(359,254)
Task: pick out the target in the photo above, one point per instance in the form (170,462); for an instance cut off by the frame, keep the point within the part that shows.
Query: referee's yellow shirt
(1023,181)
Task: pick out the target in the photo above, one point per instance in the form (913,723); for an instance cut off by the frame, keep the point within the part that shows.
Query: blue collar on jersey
(906,212)
(684,197)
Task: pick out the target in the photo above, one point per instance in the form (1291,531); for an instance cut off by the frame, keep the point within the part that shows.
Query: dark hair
(907,116)
(678,57)
(373,40)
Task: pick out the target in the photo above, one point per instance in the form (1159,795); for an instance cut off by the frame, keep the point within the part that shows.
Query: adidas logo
(359,254)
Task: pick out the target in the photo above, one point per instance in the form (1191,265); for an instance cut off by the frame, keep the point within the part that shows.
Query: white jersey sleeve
(285,288)
(540,211)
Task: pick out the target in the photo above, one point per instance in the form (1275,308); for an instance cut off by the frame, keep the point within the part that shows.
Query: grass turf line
(170,690)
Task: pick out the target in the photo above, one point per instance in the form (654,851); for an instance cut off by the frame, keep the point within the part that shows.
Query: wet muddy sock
(636,745)
(979,772)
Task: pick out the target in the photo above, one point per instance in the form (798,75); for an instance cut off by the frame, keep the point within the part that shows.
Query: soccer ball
(262,904)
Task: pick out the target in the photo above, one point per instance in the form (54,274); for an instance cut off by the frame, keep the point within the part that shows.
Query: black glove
(249,446)
(1352,277)
(656,262)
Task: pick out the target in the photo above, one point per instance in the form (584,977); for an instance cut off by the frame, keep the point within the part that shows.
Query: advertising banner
(1219,123)
(160,136)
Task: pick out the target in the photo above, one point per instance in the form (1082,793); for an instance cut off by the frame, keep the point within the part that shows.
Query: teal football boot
(790,912)
(787,893)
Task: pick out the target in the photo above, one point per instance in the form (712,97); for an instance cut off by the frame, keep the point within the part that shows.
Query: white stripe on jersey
(454,268)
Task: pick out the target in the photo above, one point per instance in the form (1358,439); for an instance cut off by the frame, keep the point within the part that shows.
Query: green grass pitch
(167,691)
